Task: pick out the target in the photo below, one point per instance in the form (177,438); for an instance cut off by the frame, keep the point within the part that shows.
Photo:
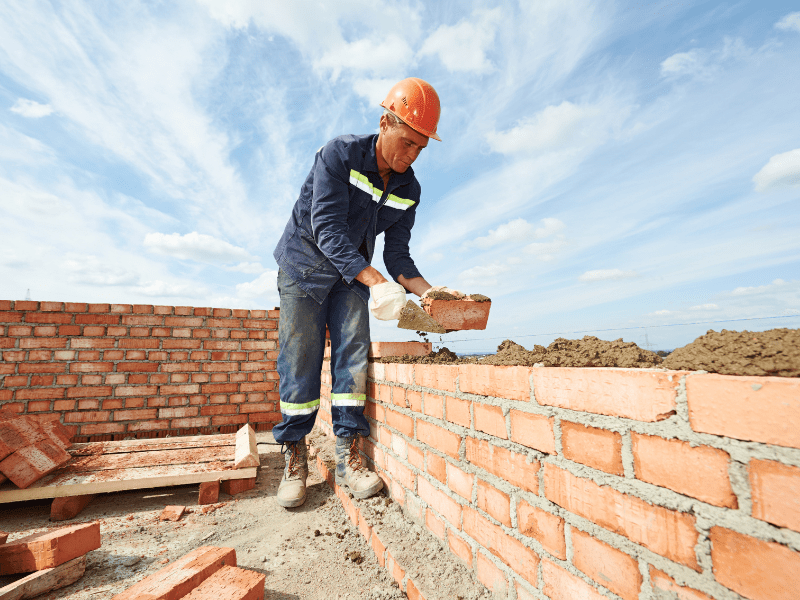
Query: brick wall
(567,483)
(108,371)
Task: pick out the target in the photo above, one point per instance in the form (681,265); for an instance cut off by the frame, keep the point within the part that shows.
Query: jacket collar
(371,164)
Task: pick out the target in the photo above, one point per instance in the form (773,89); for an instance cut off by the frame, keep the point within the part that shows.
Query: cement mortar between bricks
(675,427)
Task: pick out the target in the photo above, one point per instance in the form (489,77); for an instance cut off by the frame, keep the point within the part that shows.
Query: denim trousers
(301,333)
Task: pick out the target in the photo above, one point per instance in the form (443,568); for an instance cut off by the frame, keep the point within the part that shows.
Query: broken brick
(172,513)
(68,507)
(3,537)
(237,486)
(182,576)
(231,583)
(28,465)
(48,549)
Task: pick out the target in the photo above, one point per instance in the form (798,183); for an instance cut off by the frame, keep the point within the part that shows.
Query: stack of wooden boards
(208,573)
(30,448)
(54,559)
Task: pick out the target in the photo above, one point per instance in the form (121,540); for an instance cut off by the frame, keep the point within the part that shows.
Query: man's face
(401,145)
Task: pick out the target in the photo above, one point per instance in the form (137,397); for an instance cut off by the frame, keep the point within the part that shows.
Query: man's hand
(441,288)
(388,299)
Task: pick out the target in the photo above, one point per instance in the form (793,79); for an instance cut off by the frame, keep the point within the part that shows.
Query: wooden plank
(98,482)
(46,580)
(174,443)
(154,458)
(246,448)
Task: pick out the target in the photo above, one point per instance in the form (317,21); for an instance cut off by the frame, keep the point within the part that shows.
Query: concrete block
(383,349)
(29,464)
(48,549)
(182,576)
(172,513)
(209,492)
(63,509)
(230,583)
(457,315)
(237,486)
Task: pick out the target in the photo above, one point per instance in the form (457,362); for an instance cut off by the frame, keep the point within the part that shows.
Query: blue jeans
(301,332)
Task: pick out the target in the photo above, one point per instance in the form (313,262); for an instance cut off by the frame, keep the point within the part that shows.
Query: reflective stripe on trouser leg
(348,321)
(301,332)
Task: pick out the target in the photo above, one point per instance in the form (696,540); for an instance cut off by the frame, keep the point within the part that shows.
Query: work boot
(292,489)
(351,472)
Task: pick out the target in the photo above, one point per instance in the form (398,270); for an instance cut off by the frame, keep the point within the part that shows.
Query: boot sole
(363,494)
(291,503)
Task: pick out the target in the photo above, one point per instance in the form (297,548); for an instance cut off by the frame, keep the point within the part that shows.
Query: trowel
(414,318)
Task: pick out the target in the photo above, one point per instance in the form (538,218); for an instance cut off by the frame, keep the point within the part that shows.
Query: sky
(619,169)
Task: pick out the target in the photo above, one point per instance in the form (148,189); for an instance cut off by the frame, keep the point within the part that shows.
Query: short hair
(393,118)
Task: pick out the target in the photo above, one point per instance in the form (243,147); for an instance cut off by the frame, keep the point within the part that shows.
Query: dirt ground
(311,552)
(775,352)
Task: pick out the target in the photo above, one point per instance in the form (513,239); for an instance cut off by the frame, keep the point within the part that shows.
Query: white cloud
(168,289)
(702,63)
(781,171)
(247,267)
(195,246)
(31,108)
(661,312)
(547,251)
(684,63)
(374,90)
(565,127)
(549,227)
(759,289)
(517,230)
(483,275)
(265,286)
(92,271)
(709,306)
(789,22)
(463,47)
(607,275)
(387,53)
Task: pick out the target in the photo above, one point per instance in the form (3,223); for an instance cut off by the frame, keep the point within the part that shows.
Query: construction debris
(172,513)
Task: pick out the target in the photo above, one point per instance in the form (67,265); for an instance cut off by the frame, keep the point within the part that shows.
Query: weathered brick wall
(108,371)
(567,483)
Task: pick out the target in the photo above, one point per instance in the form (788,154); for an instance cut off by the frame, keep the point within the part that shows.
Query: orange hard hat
(416,103)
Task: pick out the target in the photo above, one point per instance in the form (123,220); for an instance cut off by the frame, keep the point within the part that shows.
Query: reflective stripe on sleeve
(299,409)
(362,182)
(348,399)
(399,203)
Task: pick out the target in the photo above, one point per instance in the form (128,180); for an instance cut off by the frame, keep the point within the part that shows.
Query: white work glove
(443,288)
(388,299)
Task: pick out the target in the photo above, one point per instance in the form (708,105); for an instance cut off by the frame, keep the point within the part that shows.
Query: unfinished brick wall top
(113,370)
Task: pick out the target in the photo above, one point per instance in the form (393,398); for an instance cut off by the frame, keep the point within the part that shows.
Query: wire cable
(617,329)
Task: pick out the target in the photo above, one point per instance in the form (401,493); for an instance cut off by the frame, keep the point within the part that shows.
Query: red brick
(439,438)
(630,393)
(664,584)
(230,583)
(592,446)
(439,377)
(91,367)
(490,419)
(498,381)
(460,482)
(700,472)
(758,409)
(533,431)
(458,315)
(511,466)
(437,466)
(666,532)
(753,568)
(458,411)
(189,423)
(511,551)
(562,585)
(607,566)
(493,501)
(48,549)
(400,472)
(29,464)
(544,527)
(172,513)
(382,349)
(775,490)
(18,431)
(97,319)
(401,422)
(435,525)
(490,576)
(99,391)
(440,502)
(68,507)
(399,373)
(459,547)
(414,400)
(179,578)
(106,428)
(237,486)
(59,318)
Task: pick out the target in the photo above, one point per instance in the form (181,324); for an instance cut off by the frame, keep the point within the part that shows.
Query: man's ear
(384,123)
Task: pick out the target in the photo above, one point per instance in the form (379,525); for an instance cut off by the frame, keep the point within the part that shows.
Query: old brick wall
(108,371)
(567,483)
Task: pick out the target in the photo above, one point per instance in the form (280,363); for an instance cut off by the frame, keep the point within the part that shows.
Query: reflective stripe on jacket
(341,210)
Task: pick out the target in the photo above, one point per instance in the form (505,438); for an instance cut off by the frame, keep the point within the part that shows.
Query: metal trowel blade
(414,318)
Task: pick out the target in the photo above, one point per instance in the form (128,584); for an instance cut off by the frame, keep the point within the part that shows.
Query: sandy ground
(308,552)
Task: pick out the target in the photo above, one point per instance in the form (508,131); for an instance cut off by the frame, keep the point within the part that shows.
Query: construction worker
(358,187)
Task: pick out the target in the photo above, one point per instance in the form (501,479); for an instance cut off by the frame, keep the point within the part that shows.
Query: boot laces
(293,468)
(354,460)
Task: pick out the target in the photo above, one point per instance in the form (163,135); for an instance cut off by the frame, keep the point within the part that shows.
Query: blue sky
(609,166)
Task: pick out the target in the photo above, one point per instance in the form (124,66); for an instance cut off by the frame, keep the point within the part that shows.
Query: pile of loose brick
(30,448)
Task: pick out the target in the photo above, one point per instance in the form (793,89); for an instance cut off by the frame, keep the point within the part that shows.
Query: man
(359,186)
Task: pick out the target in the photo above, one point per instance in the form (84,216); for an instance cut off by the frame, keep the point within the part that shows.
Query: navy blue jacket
(341,210)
